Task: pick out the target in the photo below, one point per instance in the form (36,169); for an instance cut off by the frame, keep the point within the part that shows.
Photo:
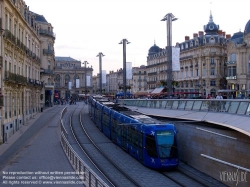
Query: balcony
(47,71)
(50,85)
(1,61)
(48,52)
(14,78)
(1,101)
(153,73)
(46,32)
(230,62)
(231,78)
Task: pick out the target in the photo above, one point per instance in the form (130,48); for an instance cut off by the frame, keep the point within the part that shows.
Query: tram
(149,140)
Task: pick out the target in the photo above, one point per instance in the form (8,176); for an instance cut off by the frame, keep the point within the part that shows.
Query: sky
(84,28)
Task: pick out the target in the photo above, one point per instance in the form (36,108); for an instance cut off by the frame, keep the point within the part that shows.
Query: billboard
(70,85)
(129,70)
(175,59)
(103,76)
(77,83)
(88,80)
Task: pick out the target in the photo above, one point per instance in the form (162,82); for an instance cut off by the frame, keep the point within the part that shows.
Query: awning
(181,93)
(226,91)
(141,93)
(157,90)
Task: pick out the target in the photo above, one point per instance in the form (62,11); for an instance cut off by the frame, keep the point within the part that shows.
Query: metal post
(100,55)
(124,42)
(75,79)
(85,78)
(169,18)
(124,68)
(85,70)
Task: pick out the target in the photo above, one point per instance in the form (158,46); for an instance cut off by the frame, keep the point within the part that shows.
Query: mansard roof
(39,18)
(247,28)
(65,59)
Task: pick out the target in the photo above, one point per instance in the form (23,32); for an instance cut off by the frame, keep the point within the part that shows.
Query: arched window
(67,78)
(49,64)
(212,40)
(57,80)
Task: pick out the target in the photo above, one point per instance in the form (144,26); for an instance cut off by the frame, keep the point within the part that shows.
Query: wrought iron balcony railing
(48,52)
(46,32)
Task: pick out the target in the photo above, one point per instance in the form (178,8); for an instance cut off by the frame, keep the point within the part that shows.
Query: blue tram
(148,140)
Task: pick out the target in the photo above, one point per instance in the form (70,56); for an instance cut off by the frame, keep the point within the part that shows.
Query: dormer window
(212,40)
(196,42)
(191,44)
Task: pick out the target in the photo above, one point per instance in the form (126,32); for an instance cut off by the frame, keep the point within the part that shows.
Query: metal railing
(86,174)
(231,106)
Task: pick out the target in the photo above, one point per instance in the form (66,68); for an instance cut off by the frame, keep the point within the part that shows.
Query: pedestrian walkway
(33,156)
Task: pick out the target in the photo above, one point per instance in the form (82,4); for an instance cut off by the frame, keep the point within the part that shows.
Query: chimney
(201,33)
(224,34)
(228,36)
(186,38)
(195,35)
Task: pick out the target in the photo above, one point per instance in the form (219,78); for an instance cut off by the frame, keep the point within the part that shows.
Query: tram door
(124,137)
(140,145)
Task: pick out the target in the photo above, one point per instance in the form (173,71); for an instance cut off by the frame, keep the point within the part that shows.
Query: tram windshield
(165,140)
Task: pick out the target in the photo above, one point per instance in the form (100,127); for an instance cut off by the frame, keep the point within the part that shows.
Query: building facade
(238,64)
(66,75)
(139,80)
(21,58)
(202,61)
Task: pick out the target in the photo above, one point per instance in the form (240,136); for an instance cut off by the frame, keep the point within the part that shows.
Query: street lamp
(169,18)
(85,70)
(124,42)
(100,55)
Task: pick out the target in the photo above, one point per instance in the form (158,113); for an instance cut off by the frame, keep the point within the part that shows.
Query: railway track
(114,165)
(113,175)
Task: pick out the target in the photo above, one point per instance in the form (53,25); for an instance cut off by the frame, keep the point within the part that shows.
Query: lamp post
(169,18)
(100,55)
(85,71)
(75,79)
(124,42)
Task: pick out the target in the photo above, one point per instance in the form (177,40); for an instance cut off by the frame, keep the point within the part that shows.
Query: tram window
(105,120)
(98,114)
(151,146)
(140,139)
(115,127)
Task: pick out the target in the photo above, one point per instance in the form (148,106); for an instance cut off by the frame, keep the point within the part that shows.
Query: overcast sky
(84,28)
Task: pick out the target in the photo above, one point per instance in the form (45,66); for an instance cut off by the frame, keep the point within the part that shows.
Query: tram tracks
(86,134)
(112,174)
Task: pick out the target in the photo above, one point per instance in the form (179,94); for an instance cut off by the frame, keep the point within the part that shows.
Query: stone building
(139,81)
(47,41)
(156,67)
(202,61)
(21,57)
(66,75)
(238,64)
